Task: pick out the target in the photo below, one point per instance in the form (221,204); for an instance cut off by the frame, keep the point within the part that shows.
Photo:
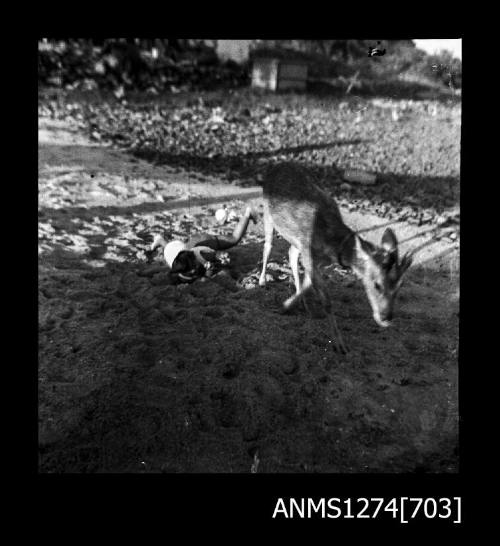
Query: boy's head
(187,267)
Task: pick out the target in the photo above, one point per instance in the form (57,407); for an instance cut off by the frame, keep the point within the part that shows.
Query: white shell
(360,177)
(221,215)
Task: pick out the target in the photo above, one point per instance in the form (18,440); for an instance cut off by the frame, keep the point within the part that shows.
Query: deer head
(381,272)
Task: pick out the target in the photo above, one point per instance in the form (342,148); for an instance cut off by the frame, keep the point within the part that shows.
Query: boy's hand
(223,258)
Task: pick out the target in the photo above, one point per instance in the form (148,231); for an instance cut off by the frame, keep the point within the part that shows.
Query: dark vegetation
(172,65)
(124,65)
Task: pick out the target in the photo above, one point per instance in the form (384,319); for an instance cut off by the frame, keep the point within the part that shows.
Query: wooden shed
(278,74)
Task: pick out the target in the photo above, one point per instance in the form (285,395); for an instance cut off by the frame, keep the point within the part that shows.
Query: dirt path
(136,375)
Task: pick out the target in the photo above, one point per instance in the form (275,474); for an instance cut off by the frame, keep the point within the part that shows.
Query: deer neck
(348,252)
(343,245)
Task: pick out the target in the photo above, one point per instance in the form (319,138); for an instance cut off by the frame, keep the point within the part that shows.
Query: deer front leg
(268,232)
(265,257)
(293,256)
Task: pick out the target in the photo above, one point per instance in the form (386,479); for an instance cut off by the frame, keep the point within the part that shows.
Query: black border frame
(222,498)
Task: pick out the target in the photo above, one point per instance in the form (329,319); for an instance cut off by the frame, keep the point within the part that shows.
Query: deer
(309,219)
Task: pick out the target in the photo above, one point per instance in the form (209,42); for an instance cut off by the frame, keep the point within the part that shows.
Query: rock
(403,214)
(425,218)
(221,215)
(359,177)
(345,186)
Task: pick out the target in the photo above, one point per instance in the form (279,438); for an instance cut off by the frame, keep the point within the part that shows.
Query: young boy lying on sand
(190,261)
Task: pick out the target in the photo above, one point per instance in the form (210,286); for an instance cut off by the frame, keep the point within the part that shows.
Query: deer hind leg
(307,282)
(268,244)
(293,256)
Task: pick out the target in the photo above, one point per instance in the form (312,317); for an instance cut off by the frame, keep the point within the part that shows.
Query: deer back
(301,212)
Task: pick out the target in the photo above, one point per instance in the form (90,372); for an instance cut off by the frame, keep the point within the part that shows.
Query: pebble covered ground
(412,146)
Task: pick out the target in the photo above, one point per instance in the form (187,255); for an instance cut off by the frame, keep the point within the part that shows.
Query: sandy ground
(137,375)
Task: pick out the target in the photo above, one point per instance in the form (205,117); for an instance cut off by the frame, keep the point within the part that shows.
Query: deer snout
(386,316)
(382,310)
(381,322)
(383,319)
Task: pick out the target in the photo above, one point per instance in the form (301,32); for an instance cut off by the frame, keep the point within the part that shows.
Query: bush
(443,68)
(168,64)
(343,58)
(135,64)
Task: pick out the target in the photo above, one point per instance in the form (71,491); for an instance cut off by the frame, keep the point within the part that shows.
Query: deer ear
(389,242)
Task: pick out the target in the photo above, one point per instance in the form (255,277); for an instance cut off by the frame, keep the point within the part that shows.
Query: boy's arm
(209,253)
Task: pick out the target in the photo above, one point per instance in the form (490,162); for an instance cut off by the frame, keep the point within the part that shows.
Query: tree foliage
(139,64)
(170,64)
